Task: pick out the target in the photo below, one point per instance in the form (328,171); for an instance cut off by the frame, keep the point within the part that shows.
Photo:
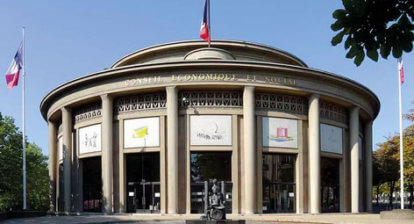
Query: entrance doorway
(143,183)
(206,166)
(279,187)
(330,185)
(60,202)
(92,184)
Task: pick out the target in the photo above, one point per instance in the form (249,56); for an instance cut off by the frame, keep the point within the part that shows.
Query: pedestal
(215,222)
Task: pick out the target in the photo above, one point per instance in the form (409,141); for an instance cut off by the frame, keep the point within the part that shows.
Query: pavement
(337,218)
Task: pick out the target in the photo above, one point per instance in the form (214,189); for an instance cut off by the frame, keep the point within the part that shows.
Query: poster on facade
(210,130)
(142,132)
(90,139)
(60,148)
(279,132)
(331,139)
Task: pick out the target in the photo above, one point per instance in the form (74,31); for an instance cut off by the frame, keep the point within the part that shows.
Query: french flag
(204,30)
(401,70)
(12,74)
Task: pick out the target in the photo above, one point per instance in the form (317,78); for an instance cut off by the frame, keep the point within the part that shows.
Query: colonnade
(249,167)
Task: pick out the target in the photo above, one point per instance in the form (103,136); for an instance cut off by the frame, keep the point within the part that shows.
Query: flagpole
(209,24)
(23,126)
(401,137)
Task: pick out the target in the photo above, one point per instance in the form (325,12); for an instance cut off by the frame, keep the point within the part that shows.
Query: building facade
(147,134)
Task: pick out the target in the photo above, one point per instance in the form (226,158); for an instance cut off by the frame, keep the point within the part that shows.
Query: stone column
(314,156)
(235,165)
(52,164)
(354,145)
(106,158)
(249,149)
(122,170)
(59,193)
(172,149)
(163,169)
(259,166)
(299,174)
(368,164)
(67,152)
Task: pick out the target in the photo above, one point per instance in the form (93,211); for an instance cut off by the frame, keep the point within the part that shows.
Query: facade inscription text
(200,77)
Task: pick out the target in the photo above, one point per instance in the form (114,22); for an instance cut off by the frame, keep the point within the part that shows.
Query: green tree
(409,164)
(388,165)
(37,178)
(373,27)
(410,115)
(377,177)
(409,157)
(10,160)
(11,170)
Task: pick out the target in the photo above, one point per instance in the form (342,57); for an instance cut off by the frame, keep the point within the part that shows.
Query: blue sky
(69,39)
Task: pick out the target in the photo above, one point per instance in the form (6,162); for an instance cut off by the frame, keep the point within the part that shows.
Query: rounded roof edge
(59,90)
(164,47)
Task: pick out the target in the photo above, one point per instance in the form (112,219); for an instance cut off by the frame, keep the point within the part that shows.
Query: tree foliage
(410,116)
(386,164)
(374,27)
(409,157)
(11,170)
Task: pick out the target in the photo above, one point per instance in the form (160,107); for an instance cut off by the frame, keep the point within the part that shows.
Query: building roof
(176,51)
(224,54)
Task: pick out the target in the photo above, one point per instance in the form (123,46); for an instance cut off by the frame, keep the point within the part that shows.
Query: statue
(216,209)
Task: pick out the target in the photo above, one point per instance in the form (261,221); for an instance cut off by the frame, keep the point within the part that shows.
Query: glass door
(143,188)
(279,187)
(330,185)
(92,184)
(144,197)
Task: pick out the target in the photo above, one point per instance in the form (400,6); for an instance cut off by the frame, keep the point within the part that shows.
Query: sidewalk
(345,218)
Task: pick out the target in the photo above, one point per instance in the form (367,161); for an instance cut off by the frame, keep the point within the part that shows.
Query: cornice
(231,64)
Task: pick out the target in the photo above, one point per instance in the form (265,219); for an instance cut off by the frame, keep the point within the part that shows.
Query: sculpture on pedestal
(216,209)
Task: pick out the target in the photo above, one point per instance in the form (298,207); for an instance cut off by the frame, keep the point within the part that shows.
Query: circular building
(149,133)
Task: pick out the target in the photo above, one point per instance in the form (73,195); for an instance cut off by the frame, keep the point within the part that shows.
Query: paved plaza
(178,219)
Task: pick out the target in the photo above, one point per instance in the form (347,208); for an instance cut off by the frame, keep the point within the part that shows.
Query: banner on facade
(90,139)
(142,132)
(331,139)
(210,130)
(279,132)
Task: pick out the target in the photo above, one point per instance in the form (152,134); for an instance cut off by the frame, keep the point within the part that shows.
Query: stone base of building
(398,214)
